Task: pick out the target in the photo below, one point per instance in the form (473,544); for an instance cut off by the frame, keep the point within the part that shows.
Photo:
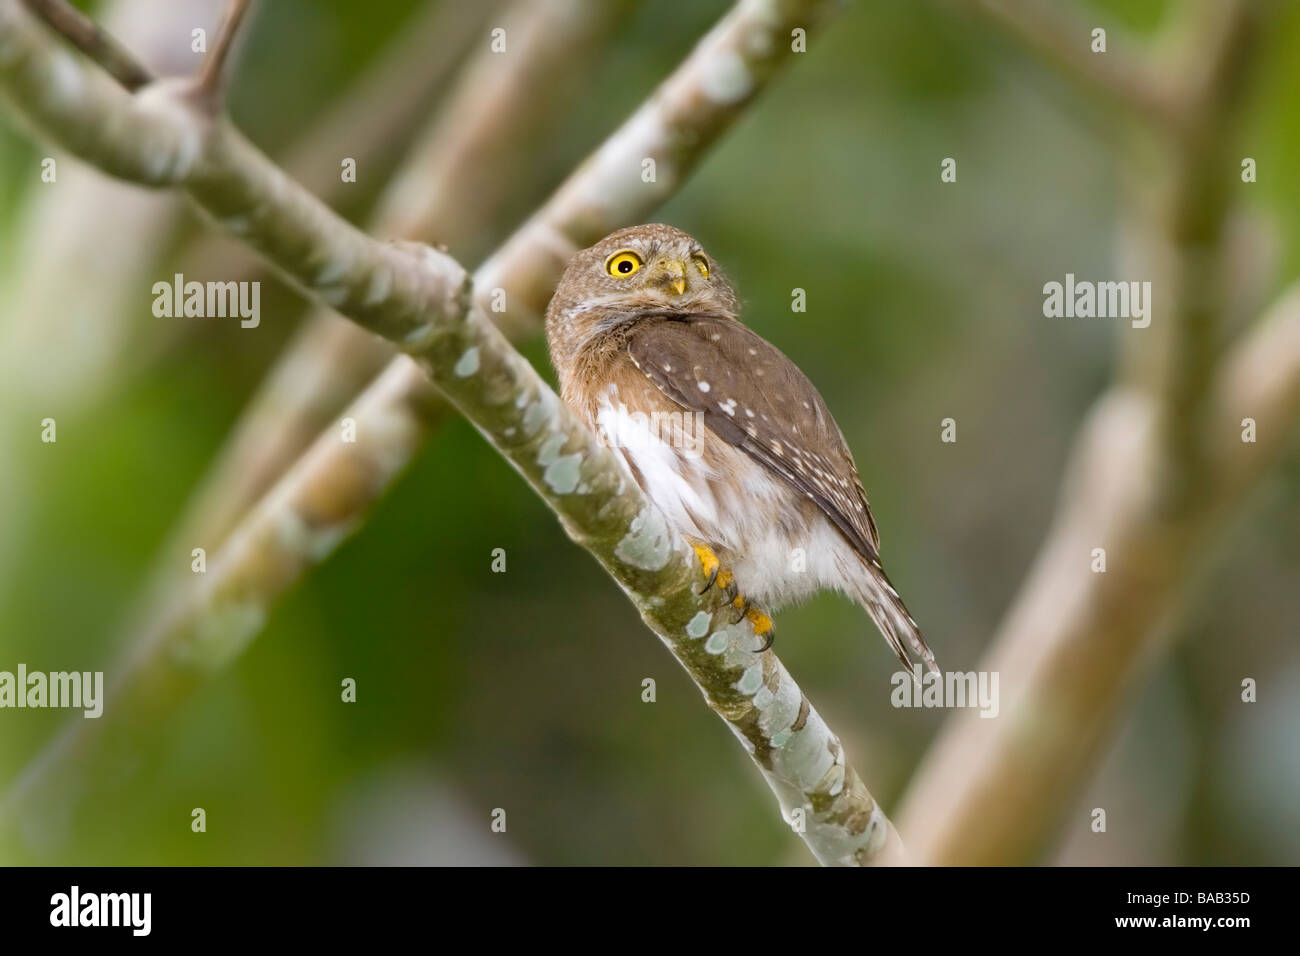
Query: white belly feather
(693,477)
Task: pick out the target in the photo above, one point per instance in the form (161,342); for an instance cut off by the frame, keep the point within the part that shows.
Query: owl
(721,431)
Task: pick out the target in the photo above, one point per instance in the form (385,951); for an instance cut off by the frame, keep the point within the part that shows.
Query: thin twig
(372,122)
(214,77)
(93,40)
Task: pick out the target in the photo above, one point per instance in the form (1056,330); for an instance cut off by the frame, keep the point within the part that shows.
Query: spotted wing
(753,397)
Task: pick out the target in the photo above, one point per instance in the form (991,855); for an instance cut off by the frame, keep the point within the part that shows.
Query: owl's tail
(879,598)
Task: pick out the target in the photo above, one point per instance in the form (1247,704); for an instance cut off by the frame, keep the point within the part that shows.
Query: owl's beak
(672,274)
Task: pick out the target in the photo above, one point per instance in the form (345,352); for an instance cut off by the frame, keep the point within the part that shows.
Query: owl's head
(650,269)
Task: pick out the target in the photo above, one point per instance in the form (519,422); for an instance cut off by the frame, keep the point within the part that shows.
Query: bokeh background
(523,690)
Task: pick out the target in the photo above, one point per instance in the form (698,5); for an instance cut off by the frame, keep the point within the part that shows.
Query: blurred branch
(1056,32)
(85,333)
(64,345)
(1157,467)
(68,343)
(390,99)
(93,40)
(676,126)
(421,299)
(448,188)
(1074,643)
(1191,215)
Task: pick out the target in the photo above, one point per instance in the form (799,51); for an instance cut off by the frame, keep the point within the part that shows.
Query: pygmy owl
(721,431)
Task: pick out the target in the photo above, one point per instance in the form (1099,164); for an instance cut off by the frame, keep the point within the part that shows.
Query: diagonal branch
(93,40)
(447,191)
(421,299)
(1075,643)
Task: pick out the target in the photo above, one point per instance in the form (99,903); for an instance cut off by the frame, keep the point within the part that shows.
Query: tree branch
(422,300)
(1056,32)
(46,352)
(214,77)
(93,40)
(1075,643)
(446,190)
(372,122)
(1155,470)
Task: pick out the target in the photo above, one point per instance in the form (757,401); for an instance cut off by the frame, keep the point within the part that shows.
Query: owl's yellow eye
(702,264)
(623,264)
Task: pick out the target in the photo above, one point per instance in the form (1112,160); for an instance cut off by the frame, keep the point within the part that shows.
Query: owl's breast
(713,492)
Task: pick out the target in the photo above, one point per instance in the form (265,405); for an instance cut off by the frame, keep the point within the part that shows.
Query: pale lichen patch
(222,633)
(236,225)
(334,295)
(751,680)
(330,272)
(698,626)
(550,450)
(803,758)
(833,782)
(299,538)
(380,284)
(562,477)
(877,833)
(648,542)
(418,335)
(467,364)
(539,412)
(726,78)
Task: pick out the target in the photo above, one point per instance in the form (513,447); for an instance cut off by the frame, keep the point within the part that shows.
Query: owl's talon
(709,563)
(763,627)
(742,606)
(713,577)
(717,576)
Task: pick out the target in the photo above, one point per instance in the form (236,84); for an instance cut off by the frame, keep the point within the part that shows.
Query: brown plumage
(722,431)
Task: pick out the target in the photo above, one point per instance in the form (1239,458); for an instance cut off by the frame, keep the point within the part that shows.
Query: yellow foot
(708,561)
(763,627)
(714,573)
